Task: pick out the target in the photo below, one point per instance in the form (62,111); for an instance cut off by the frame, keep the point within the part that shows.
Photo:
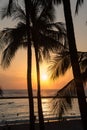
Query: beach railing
(47,116)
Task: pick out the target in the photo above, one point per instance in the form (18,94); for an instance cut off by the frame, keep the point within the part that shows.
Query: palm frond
(59,64)
(16,37)
(7,56)
(82,58)
(9,6)
(9,53)
(84,76)
(78,3)
(62,101)
(5,37)
(51,37)
(35,10)
(83,65)
(60,26)
(48,40)
(14,10)
(68,90)
(19,14)
(16,33)
(60,32)
(9,9)
(56,30)
(47,14)
(49,43)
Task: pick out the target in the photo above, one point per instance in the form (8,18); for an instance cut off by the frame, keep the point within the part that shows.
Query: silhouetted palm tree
(62,101)
(29,64)
(59,65)
(74,58)
(61,62)
(41,35)
(10,10)
(75,64)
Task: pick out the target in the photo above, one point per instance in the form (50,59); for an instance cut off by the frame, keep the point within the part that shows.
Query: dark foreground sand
(56,125)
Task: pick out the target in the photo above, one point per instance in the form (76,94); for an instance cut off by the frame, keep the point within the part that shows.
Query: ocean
(13,110)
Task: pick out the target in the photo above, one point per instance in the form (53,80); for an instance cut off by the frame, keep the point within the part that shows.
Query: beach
(14,113)
(55,125)
(14,107)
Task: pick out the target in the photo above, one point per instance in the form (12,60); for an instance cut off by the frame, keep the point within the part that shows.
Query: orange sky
(15,76)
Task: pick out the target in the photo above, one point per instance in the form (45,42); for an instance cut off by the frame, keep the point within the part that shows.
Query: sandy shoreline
(57,125)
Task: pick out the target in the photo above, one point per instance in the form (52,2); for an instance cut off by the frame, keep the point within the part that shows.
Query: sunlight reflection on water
(17,109)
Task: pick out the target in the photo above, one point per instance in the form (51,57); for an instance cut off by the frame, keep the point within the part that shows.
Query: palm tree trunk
(29,68)
(74,62)
(40,111)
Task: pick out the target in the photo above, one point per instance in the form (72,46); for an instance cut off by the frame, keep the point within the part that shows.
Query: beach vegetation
(74,57)
(39,33)
(63,99)
(30,33)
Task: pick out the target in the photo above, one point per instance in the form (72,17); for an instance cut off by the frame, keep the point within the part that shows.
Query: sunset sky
(14,77)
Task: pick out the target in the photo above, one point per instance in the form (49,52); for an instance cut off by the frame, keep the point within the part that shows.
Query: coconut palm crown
(42,33)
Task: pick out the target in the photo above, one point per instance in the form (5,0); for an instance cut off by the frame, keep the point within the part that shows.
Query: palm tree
(37,25)
(40,39)
(75,64)
(74,58)
(62,101)
(59,64)
(29,58)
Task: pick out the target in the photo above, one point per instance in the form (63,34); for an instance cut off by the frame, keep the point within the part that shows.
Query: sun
(44,76)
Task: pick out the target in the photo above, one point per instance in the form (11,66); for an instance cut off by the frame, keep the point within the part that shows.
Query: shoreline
(51,119)
(57,125)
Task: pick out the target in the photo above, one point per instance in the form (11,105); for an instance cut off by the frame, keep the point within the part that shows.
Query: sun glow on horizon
(44,76)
